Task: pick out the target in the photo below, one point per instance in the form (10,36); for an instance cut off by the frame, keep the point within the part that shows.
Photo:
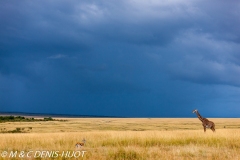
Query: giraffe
(205,122)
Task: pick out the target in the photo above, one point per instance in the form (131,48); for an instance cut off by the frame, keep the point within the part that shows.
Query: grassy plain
(126,138)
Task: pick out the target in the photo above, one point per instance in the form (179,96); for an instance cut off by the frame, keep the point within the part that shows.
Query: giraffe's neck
(199,116)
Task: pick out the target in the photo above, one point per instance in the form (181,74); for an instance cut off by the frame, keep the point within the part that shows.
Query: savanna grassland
(124,138)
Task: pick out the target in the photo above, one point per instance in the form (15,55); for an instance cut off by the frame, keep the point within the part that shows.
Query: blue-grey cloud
(129,58)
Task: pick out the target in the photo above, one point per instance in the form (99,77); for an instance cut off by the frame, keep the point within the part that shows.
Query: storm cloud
(124,58)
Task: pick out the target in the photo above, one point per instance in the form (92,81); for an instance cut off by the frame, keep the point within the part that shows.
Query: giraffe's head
(194,111)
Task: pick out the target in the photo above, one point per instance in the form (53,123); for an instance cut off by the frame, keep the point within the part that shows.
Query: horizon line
(90,116)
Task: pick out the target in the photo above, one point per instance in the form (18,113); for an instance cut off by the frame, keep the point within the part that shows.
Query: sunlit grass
(110,141)
(117,124)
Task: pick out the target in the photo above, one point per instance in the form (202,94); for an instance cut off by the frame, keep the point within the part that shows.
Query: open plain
(122,138)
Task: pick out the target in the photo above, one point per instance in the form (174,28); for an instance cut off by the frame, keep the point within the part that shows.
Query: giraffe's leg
(204,128)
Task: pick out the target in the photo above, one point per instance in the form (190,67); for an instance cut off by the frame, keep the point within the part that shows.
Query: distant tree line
(23,119)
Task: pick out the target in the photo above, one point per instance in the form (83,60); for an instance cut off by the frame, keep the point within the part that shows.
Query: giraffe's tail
(213,128)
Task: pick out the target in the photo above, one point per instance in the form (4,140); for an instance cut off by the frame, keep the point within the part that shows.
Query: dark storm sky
(132,58)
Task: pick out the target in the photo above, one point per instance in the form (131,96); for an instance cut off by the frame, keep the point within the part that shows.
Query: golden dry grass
(114,138)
